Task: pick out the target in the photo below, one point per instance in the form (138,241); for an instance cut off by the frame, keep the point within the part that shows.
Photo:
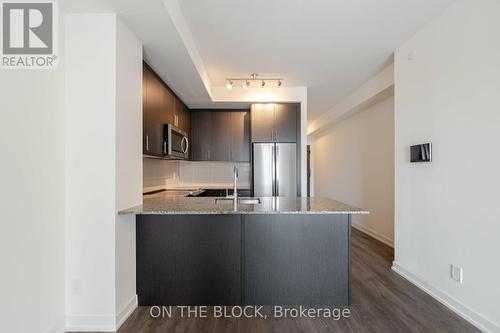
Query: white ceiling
(330,46)
(164,49)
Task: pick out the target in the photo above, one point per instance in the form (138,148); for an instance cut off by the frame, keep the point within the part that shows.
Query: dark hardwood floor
(382,302)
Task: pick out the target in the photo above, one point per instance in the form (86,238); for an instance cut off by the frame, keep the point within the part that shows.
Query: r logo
(27,28)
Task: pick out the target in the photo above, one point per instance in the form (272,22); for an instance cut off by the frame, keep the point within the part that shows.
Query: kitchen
(330,160)
(234,178)
(172,132)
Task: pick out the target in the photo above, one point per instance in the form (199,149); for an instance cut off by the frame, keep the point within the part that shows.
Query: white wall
(376,89)
(90,170)
(103,169)
(353,162)
(32,199)
(447,211)
(128,164)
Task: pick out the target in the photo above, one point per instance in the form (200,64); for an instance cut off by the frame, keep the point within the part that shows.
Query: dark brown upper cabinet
(274,122)
(262,122)
(145,119)
(201,135)
(153,115)
(160,106)
(285,122)
(169,104)
(181,118)
(220,135)
(240,136)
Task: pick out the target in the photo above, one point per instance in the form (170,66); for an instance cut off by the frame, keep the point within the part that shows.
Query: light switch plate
(456,273)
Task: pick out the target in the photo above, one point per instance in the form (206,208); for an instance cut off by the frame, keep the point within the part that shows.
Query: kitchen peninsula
(262,251)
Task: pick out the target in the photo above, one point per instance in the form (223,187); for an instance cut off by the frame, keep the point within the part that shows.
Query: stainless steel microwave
(175,143)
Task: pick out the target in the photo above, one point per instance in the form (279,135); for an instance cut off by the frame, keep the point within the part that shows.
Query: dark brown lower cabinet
(297,259)
(261,259)
(189,259)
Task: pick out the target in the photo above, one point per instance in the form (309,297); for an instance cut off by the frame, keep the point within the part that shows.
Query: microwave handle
(185,150)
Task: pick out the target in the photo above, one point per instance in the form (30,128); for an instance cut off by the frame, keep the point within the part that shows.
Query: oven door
(176,143)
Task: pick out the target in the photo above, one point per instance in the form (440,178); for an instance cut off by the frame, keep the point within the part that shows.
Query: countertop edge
(177,205)
(126,212)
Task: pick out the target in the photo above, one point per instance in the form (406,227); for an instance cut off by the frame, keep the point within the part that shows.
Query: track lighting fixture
(254,77)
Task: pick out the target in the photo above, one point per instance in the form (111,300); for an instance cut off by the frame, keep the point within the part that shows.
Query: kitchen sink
(243,201)
(249,201)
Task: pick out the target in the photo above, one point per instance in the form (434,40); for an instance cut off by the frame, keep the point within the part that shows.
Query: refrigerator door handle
(277,150)
(273,170)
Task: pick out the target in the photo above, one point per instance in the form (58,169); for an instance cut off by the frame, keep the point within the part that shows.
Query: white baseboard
(100,323)
(463,311)
(378,236)
(90,323)
(58,328)
(126,311)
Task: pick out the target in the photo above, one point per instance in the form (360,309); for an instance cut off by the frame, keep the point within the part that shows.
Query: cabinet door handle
(147,142)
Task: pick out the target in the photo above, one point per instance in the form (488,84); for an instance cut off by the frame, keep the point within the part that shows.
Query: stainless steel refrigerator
(275,169)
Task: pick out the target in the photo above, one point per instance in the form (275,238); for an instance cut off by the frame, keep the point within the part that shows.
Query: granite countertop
(196,186)
(162,204)
(209,186)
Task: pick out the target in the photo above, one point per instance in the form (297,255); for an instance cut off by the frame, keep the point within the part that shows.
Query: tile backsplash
(213,172)
(159,174)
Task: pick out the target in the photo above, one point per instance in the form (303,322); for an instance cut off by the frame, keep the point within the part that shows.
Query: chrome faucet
(235,179)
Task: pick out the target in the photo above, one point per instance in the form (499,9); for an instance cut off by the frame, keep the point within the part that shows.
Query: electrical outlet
(456,273)
(76,287)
